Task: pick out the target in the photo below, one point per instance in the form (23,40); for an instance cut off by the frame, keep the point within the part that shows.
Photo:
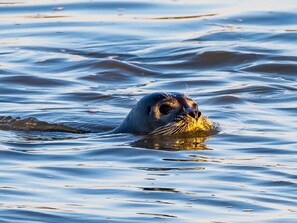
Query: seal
(154,114)
(165,114)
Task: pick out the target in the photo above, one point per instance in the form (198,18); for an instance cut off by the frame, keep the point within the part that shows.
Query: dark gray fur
(138,120)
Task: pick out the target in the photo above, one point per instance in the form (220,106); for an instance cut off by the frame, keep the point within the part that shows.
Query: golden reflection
(173,142)
(59,13)
(11,3)
(185,16)
(43,16)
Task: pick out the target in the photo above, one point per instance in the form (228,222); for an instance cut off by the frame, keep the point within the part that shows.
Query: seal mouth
(186,124)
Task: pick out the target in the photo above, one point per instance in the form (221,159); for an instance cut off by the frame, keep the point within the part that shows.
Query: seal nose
(194,114)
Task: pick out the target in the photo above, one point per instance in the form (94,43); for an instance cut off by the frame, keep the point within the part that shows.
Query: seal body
(164,114)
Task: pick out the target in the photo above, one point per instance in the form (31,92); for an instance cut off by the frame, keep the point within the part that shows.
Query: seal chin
(186,124)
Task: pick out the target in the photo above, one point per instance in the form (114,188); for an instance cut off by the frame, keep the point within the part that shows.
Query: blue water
(84,64)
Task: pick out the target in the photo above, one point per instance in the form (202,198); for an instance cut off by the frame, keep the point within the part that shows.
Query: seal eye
(165,109)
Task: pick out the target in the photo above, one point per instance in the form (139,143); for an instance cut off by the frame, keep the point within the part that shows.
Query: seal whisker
(167,95)
(175,131)
(187,91)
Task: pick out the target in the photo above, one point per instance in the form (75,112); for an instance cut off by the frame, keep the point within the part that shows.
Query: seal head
(164,114)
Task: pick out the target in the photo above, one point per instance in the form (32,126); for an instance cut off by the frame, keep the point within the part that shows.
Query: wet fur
(138,121)
(184,124)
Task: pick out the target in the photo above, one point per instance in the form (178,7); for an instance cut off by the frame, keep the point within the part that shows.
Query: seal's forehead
(159,96)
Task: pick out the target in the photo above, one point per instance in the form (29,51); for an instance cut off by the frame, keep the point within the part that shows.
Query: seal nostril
(192,114)
(195,114)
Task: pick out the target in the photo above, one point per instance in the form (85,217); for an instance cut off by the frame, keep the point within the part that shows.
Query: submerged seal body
(154,114)
(164,114)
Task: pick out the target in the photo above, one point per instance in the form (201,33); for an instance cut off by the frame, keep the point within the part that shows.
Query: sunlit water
(84,64)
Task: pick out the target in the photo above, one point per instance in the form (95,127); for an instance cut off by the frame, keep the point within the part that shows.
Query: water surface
(84,64)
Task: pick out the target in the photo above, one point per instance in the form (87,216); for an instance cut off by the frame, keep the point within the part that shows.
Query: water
(84,64)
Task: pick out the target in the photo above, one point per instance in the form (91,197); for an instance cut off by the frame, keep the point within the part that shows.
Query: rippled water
(84,64)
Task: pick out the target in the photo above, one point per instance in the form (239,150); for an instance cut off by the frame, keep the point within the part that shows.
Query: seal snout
(194,114)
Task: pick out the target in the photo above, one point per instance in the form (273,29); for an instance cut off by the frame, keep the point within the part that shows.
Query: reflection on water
(79,66)
(172,143)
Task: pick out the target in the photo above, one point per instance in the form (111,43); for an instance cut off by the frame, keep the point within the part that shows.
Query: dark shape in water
(155,114)
(165,114)
(33,124)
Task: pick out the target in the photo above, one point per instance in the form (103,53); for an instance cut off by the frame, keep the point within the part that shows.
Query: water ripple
(79,67)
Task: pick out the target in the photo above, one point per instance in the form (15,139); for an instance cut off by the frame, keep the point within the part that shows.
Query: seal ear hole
(165,109)
(148,109)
